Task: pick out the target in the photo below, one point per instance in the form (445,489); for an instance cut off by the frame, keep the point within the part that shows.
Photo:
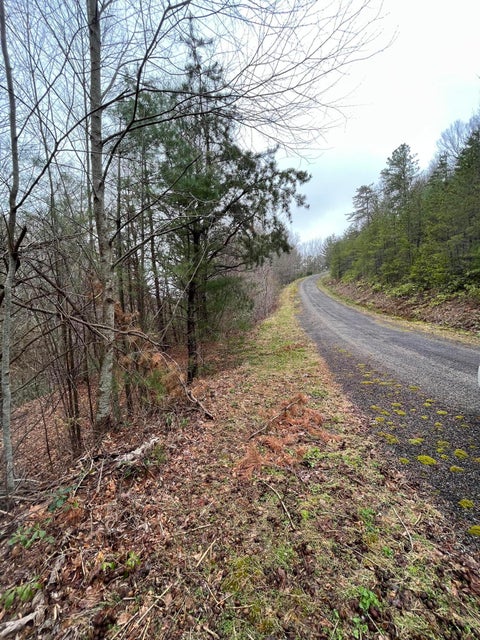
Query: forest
(418,231)
(171,467)
(145,213)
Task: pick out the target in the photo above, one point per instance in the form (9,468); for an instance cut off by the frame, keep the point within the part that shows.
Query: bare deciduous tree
(76,62)
(13,246)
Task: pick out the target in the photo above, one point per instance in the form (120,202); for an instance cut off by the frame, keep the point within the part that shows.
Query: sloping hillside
(279,518)
(455,311)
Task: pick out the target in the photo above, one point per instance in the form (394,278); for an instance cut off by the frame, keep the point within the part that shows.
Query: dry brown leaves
(296,427)
(151,548)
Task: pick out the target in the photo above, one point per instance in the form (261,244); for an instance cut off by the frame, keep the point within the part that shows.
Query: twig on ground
(196,401)
(204,554)
(189,531)
(144,614)
(146,629)
(272,420)
(281,502)
(332,635)
(84,475)
(405,527)
(100,476)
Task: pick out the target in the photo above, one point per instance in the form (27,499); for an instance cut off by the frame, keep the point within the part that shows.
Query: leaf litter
(278,519)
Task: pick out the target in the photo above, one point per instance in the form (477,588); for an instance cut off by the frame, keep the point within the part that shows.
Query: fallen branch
(195,400)
(37,616)
(137,453)
(14,626)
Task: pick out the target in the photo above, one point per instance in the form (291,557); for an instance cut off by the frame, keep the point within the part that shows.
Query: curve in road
(419,393)
(443,368)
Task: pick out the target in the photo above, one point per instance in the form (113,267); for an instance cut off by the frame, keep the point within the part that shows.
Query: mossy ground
(279,519)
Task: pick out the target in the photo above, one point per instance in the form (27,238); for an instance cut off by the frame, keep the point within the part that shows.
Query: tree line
(142,201)
(416,231)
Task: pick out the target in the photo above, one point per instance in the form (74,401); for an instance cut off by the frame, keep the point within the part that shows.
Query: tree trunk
(121,293)
(5,375)
(103,418)
(73,404)
(192,309)
(13,248)
(159,303)
(192,368)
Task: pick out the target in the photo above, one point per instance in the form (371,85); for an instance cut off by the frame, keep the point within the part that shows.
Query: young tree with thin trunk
(13,246)
(71,62)
(104,233)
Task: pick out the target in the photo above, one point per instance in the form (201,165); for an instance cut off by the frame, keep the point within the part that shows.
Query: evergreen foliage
(415,231)
(223,208)
(139,216)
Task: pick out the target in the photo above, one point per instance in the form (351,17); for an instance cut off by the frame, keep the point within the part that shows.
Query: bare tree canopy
(454,138)
(100,215)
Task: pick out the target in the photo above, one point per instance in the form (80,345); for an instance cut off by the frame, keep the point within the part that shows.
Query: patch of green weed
(312,457)
(60,498)
(367,599)
(28,536)
(22,592)
(284,555)
(389,438)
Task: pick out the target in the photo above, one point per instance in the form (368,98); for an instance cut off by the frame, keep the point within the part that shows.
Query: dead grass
(275,520)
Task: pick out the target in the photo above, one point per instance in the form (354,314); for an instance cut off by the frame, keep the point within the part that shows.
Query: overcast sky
(428,78)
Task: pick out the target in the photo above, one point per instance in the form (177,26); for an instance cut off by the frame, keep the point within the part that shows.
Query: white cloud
(410,93)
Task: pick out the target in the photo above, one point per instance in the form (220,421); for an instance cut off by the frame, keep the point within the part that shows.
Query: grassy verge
(438,444)
(275,520)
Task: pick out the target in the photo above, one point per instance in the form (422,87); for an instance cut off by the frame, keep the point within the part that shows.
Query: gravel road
(444,369)
(419,394)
